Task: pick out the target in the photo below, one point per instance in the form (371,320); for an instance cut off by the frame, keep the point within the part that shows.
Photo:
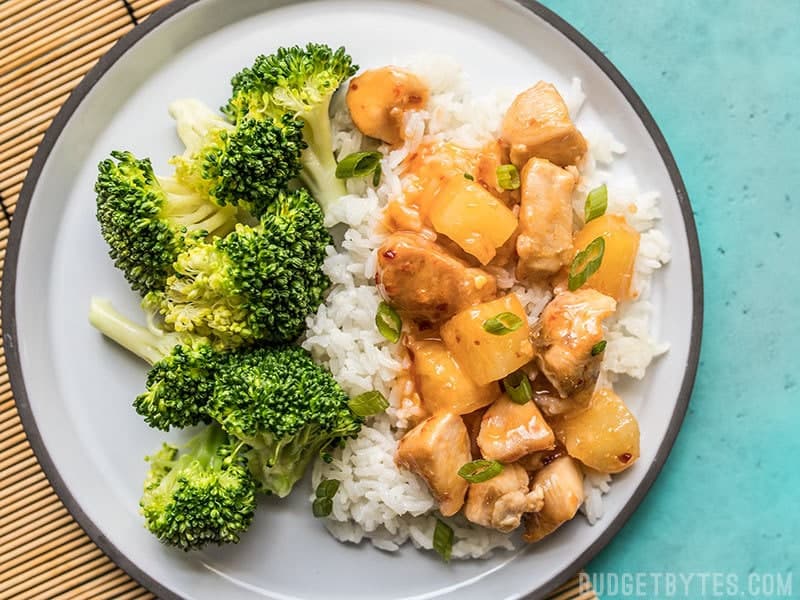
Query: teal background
(722,80)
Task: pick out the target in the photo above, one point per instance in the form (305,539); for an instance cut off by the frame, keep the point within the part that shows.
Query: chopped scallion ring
(596,203)
(586,263)
(327,488)
(599,347)
(368,404)
(469,177)
(360,164)
(443,540)
(518,387)
(501,324)
(388,322)
(322,507)
(481,470)
(508,177)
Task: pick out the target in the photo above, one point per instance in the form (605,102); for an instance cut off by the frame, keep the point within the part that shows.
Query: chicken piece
(509,431)
(378,99)
(537,124)
(435,450)
(443,384)
(421,280)
(561,483)
(544,244)
(569,328)
(500,502)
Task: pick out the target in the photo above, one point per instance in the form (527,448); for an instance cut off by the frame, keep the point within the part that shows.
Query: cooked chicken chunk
(509,431)
(501,501)
(537,124)
(544,244)
(435,450)
(561,483)
(421,280)
(443,384)
(570,326)
(379,98)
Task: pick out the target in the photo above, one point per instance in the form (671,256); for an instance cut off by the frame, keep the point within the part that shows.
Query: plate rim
(127,41)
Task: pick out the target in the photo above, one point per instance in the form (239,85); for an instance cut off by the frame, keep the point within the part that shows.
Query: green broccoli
(183,367)
(299,82)
(201,495)
(286,408)
(246,164)
(146,219)
(256,284)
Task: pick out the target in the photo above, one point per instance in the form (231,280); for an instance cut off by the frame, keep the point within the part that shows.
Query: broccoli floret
(300,82)
(246,164)
(202,494)
(183,366)
(286,408)
(258,283)
(146,219)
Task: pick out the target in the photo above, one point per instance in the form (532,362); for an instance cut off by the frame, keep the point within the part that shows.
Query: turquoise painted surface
(722,80)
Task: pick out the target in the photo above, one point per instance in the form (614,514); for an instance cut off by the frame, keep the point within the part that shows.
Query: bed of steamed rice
(376,500)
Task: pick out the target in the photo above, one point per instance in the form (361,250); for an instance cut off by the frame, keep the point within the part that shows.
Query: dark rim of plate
(53,133)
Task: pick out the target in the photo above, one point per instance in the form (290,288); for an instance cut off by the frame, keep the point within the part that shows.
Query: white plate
(74,389)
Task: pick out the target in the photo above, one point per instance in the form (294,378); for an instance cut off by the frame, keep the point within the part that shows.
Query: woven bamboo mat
(46,47)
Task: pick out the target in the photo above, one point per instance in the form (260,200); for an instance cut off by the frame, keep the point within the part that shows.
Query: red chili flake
(625,457)
(390,254)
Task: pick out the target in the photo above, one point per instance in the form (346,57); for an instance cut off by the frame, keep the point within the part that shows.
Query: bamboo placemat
(46,47)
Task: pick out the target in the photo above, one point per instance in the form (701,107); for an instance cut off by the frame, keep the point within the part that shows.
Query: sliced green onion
(586,263)
(359,164)
(376,178)
(443,539)
(469,177)
(599,347)
(388,322)
(501,324)
(518,387)
(596,203)
(481,470)
(326,457)
(327,488)
(508,177)
(322,507)
(368,403)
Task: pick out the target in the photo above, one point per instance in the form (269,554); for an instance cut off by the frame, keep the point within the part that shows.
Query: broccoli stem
(195,212)
(149,345)
(193,121)
(319,164)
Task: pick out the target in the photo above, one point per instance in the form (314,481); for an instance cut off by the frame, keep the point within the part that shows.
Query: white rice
(376,500)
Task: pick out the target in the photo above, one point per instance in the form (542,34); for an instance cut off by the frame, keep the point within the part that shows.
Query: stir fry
(510,406)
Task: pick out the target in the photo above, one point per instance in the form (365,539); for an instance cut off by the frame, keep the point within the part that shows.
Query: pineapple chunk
(613,278)
(472,217)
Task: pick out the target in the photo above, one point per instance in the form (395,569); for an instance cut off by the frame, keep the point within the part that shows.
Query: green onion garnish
(326,457)
(469,177)
(360,164)
(368,403)
(322,507)
(508,177)
(596,203)
(388,322)
(586,263)
(327,488)
(518,387)
(376,178)
(481,470)
(501,324)
(443,539)
(599,347)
